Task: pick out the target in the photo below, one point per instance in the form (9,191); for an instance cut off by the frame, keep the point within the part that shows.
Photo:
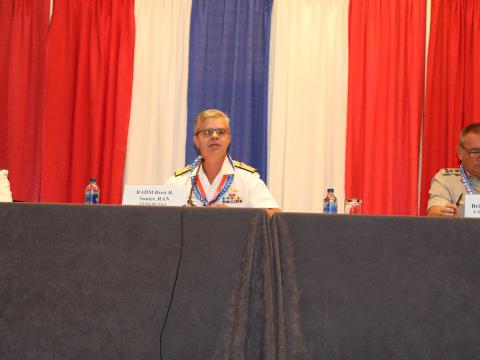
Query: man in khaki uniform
(449,186)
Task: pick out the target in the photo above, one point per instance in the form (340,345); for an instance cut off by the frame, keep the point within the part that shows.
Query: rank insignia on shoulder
(183,171)
(243,166)
(451,172)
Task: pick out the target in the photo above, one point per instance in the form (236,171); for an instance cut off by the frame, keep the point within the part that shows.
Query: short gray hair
(472,128)
(209,114)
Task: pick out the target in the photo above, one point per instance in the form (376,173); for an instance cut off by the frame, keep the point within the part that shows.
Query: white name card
(155,195)
(472,205)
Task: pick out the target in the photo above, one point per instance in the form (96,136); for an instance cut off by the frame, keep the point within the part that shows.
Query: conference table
(130,282)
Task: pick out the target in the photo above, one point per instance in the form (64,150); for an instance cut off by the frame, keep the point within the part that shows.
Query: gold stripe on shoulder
(183,171)
(243,166)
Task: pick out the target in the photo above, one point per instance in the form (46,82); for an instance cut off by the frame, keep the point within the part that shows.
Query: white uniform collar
(226,169)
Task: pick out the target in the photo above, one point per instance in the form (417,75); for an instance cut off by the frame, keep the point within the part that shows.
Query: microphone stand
(190,201)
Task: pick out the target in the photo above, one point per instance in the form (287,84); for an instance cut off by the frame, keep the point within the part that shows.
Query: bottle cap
(93,179)
(329,190)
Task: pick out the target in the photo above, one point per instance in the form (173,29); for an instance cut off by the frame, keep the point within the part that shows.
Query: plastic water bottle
(92,192)
(330,203)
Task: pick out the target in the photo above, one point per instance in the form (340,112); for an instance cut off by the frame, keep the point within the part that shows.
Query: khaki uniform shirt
(447,186)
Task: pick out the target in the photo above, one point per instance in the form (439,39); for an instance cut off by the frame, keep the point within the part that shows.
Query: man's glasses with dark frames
(209,132)
(473,154)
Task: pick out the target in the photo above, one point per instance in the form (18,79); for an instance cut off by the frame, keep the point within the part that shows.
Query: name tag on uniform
(155,195)
(472,205)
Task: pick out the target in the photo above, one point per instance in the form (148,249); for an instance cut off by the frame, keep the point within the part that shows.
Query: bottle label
(330,207)
(91,198)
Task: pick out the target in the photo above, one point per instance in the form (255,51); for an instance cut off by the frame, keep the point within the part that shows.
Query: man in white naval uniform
(217,180)
(5,193)
(449,186)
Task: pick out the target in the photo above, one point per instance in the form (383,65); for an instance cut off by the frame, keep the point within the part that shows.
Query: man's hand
(271,211)
(449,210)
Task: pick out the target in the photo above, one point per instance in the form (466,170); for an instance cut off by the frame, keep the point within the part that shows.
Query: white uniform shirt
(5,193)
(246,190)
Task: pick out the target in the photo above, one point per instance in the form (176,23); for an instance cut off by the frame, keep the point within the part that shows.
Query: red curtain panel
(453,84)
(23,36)
(385,103)
(88,87)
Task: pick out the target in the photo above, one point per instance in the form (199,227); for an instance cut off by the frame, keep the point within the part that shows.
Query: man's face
(213,144)
(471,144)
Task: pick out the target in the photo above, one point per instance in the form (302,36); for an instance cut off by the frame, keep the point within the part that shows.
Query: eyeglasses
(473,154)
(209,132)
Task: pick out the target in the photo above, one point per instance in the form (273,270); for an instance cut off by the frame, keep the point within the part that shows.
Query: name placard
(155,195)
(472,205)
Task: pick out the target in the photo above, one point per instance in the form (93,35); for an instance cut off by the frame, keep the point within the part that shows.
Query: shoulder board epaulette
(243,166)
(183,171)
(451,171)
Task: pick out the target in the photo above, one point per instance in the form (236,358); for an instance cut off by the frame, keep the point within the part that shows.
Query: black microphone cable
(174,282)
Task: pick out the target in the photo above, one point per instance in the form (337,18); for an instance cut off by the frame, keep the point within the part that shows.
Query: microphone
(190,201)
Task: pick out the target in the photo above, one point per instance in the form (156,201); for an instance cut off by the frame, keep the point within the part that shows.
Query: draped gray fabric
(82,282)
(223,306)
(385,287)
(95,282)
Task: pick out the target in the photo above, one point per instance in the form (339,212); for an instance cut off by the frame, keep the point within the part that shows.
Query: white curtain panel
(51,11)
(308,102)
(427,42)
(158,121)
